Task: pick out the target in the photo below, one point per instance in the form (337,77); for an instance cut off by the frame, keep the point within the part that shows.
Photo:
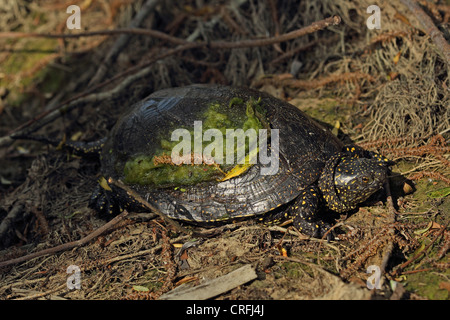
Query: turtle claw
(316,229)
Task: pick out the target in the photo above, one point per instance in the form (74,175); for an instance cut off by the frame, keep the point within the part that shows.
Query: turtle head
(347,181)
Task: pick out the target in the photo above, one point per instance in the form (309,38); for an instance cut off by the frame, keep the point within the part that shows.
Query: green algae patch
(143,170)
(27,66)
(203,152)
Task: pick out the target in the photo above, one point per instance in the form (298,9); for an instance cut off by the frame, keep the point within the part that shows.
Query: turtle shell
(141,134)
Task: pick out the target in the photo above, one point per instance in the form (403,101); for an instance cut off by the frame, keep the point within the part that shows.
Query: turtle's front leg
(304,212)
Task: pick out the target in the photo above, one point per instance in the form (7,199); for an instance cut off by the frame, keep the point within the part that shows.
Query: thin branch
(43,294)
(313,27)
(122,41)
(219,44)
(149,206)
(144,69)
(136,31)
(399,269)
(430,29)
(69,245)
(89,97)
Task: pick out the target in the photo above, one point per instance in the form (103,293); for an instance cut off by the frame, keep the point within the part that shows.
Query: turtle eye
(367,179)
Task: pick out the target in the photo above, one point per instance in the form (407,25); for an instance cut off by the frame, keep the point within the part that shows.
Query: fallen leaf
(140,289)
(397,57)
(185,280)
(393,75)
(402,18)
(184,255)
(444,285)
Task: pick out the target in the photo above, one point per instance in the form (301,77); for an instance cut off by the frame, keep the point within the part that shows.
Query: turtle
(311,172)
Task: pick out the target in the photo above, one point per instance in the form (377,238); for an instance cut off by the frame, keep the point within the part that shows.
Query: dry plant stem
(14,215)
(144,69)
(143,252)
(69,245)
(123,40)
(279,81)
(138,198)
(43,294)
(430,29)
(315,26)
(122,31)
(89,97)
(392,217)
(420,253)
(434,175)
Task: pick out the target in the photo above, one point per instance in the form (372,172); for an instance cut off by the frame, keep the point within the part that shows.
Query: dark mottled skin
(316,169)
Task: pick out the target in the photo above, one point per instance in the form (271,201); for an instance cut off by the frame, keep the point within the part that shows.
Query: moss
(294,270)
(158,170)
(23,61)
(427,284)
(51,79)
(328,110)
(142,170)
(26,66)
(424,196)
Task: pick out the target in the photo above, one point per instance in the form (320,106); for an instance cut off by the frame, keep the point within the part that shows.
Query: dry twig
(69,245)
(399,268)
(430,29)
(288,81)
(144,69)
(122,41)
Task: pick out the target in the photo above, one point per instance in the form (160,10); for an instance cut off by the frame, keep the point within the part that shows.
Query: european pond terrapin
(207,153)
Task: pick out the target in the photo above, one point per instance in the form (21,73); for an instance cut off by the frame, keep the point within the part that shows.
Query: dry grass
(391,86)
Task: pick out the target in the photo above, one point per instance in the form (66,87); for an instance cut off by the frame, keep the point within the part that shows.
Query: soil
(385,89)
